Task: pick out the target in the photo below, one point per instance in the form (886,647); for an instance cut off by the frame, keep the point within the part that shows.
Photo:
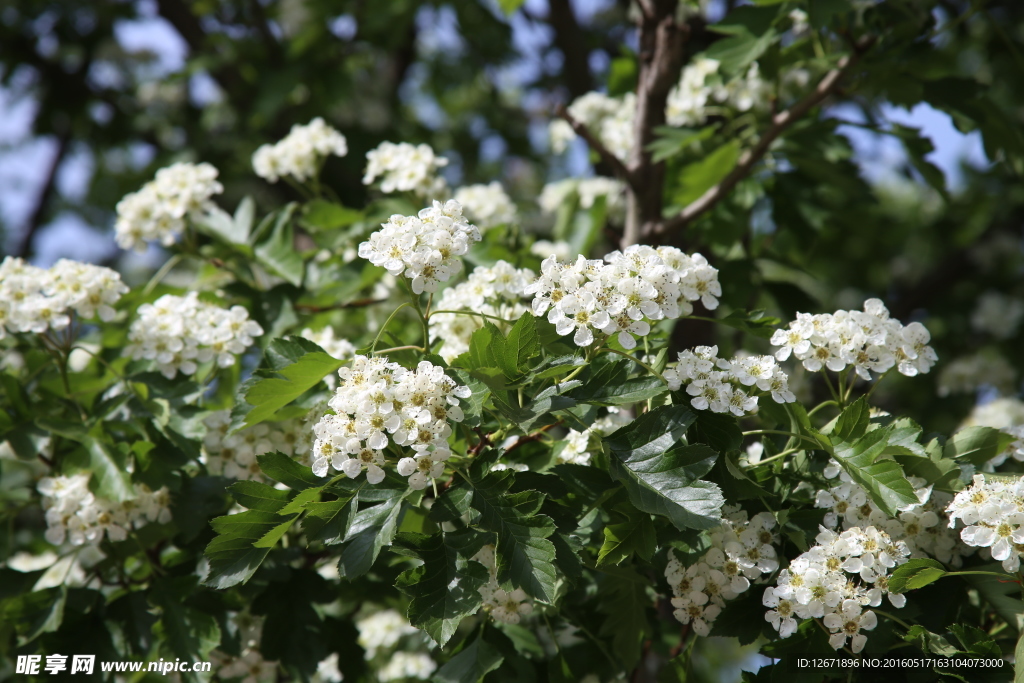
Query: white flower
(781,616)
(300,153)
(486,205)
(382,630)
(405,168)
(179,333)
(159,210)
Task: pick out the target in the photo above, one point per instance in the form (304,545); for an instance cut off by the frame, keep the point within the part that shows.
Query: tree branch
(569,40)
(607,157)
(749,158)
(662,43)
(35,220)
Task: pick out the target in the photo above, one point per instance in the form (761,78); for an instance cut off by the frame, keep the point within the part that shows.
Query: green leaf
(233,558)
(754,323)
(660,476)
(189,632)
(232,229)
(721,432)
(256,495)
(975,641)
(631,390)
(445,588)
(622,598)
(697,178)
(673,141)
(277,252)
(524,555)
(1002,595)
(882,479)
(635,535)
(750,34)
(915,574)
(472,663)
(288,471)
(293,367)
(34,613)
(321,214)
(1018,667)
(108,467)
(510,6)
(852,423)
(328,522)
(976,445)
(371,529)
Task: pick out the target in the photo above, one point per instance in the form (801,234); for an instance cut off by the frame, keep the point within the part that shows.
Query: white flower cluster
(967,374)
(248,666)
(423,247)
(997,314)
(382,630)
(486,205)
(721,385)
(34,299)
(73,513)
(587,190)
(380,633)
(578,446)
(560,249)
(379,403)
(610,119)
(300,153)
(834,581)
(159,210)
(992,512)
(741,551)
(497,291)
(405,168)
(505,606)
(868,341)
(700,83)
(234,455)
(920,526)
(622,293)
(337,347)
(179,332)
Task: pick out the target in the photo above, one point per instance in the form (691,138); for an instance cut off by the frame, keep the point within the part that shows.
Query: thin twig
(780,122)
(358,303)
(607,157)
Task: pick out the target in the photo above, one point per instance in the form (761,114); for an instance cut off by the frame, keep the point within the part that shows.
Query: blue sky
(24,159)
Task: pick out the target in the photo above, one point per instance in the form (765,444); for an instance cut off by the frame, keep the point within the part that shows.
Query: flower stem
(482,315)
(385,325)
(782,433)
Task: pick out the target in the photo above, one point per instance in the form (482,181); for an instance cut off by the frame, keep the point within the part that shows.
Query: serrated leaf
(371,529)
(622,598)
(975,641)
(521,344)
(915,574)
(110,476)
(277,251)
(288,471)
(634,535)
(36,612)
(698,177)
(852,423)
(256,495)
(976,445)
(301,500)
(471,664)
(662,477)
(883,480)
(321,214)
(524,555)
(444,589)
(189,632)
(631,390)
(328,522)
(233,557)
(291,367)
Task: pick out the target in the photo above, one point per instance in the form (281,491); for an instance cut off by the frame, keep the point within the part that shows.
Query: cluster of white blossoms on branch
(496,291)
(73,513)
(234,455)
(505,606)
(992,512)
(587,191)
(967,374)
(621,294)
(580,446)
(180,332)
(867,341)
(486,205)
(34,299)
(834,581)
(611,119)
(423,247)
(380,633)
(300,153)
(741,551)
(159,210)
(722,386)
(922,526)
(701,83)
(379,403)
(404,167)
